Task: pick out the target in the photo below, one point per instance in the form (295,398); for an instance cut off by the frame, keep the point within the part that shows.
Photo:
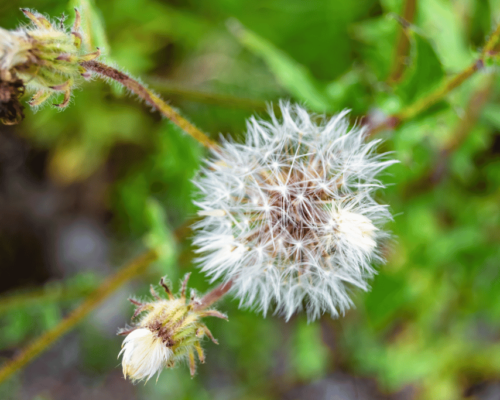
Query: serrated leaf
(292,75)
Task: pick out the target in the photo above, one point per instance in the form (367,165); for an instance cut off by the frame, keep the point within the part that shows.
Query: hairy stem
(107,288)
(150,98)
(214,295)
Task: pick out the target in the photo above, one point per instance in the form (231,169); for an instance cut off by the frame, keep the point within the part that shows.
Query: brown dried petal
(11,109)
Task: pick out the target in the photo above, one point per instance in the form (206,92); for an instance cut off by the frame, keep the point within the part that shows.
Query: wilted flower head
(169,331)
(289,216)
(11,109)
(45,56)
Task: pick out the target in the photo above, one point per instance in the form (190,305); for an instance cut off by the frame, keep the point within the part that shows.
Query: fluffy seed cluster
(169,331)
(45,56)
(289,216)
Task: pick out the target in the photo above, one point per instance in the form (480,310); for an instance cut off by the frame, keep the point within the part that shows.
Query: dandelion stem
(214,295)
(108,287)
(446,87)
(152,99)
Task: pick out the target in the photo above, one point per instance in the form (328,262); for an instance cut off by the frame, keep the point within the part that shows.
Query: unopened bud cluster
(45,56)
(169,331)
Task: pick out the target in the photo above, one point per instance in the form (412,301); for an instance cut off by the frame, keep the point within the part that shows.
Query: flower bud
(45,57)
(169,331)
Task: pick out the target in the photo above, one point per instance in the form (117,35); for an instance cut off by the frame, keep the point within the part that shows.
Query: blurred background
(85,190)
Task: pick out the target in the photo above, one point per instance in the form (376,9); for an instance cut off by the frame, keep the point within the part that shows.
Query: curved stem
(152,99)
(107,288)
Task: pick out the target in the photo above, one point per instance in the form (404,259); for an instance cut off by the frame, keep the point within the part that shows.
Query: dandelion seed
(304,229)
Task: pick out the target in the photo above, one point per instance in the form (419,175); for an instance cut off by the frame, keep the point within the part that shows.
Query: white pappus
(289,215)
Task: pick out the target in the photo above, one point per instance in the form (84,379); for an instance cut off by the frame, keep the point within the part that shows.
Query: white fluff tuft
(144,355)
(289,216)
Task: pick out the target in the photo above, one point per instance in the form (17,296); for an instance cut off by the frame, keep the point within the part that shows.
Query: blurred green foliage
(431,320)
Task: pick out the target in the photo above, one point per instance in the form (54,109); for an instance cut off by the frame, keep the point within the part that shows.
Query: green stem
(446,87)
(50,293)
(152,99)
(208,98)
(107,288)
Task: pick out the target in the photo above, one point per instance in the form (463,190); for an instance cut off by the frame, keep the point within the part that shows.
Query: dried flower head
(169,331)
(289,216)
(11,109)
(45,56)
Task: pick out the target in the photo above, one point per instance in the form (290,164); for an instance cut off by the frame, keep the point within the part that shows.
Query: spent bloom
(46,56)
(169,331)
(289,216)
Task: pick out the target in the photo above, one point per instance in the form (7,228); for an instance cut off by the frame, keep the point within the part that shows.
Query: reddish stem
(213,296)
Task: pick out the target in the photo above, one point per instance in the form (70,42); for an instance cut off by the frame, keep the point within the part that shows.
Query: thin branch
(489,47)
(446,87)
(167,88)
(107,288)
(403,43)
(215,295)
(150,98)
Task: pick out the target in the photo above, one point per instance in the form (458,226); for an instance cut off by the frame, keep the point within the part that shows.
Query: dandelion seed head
(305,229)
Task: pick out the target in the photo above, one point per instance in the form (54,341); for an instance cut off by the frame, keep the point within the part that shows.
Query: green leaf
(92,25)
(425,71)
(349,91)
(439,19)
(378,38)
(160,236)
(491,113)
(293,76)
(310,356)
